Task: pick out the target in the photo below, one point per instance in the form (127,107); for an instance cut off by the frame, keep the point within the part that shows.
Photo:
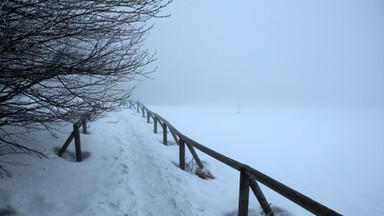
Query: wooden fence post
(148,117)
(155,124)
(182,154)
(76,132)
(195,156)
(261,198)
(174,136)
(138,106)
(66,144)
(243,194)
(165,140)
(85,126)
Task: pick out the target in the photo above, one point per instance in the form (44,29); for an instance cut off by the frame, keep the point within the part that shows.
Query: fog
(268,52)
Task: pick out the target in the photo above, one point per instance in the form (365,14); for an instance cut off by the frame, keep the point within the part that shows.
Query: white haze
(268,52)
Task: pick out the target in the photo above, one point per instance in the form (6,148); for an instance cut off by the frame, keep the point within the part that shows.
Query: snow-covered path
(152,186)
(128,172)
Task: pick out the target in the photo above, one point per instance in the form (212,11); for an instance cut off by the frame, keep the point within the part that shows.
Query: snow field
(128,172)
(333,155)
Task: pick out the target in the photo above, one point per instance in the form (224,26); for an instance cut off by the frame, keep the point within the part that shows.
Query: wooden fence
(75,135)
(249,177)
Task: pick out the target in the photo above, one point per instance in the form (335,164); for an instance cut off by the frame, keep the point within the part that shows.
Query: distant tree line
(61,60)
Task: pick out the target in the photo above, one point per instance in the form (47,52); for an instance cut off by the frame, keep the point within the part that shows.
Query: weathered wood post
(261,198)
(148,117)
(76,132)
(142,110)
(85,126)
(66,144)
(243,194)
(138,106)
(195,156)
(155,124)
(182,154)
(174,136)
(165,139)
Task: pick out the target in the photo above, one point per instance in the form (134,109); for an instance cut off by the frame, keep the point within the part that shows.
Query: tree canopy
(60,60)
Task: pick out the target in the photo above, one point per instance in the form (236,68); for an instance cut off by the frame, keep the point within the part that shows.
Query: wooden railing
(249,177)
(76,136)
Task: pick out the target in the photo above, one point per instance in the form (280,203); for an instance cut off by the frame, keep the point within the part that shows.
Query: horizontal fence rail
(249,177)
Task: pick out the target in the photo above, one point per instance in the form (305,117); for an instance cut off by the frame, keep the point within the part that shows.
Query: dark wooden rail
(249,177)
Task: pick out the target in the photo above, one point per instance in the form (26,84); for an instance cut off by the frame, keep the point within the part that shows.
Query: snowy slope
(334,156)
(128,172)
(331,154)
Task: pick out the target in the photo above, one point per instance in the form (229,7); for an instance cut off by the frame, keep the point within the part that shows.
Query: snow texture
(334,156)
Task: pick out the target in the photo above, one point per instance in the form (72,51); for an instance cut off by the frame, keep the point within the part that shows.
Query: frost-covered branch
(61,60)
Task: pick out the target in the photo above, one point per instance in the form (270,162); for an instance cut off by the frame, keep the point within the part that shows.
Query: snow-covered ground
(127,172)
(334,156)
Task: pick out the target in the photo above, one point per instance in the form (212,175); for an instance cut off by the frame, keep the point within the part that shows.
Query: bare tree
(60,60)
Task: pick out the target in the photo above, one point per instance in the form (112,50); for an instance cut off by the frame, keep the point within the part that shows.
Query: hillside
(127,171)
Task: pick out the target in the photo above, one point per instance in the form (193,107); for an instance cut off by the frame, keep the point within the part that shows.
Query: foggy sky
(268,52)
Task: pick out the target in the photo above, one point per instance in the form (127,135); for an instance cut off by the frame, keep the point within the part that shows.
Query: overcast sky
(274,52)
